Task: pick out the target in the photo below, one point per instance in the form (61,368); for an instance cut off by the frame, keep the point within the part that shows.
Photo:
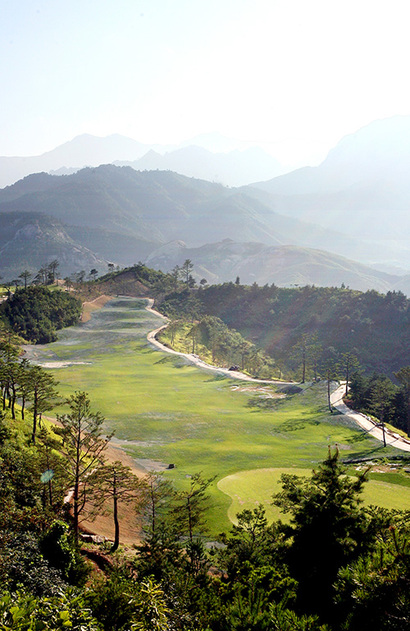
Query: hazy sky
(292,75)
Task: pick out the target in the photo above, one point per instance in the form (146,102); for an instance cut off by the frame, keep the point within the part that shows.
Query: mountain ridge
(123,215)
(362,185)
(86,150)
(283,265)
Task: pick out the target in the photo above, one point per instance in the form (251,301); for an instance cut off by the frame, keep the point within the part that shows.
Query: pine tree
(83,447)
(328,529)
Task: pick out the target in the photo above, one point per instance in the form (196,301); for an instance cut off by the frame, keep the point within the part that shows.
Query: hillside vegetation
(283,321)
(36,313)
(325,569)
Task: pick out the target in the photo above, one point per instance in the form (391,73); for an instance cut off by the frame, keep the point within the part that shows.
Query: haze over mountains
(288,264)
(363,185)
(355,205)
(226,164)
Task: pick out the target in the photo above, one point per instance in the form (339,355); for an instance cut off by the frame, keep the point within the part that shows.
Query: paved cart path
(372,428)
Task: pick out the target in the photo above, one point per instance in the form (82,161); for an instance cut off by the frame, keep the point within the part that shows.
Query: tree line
(379,396)
(210,338)
(278,318)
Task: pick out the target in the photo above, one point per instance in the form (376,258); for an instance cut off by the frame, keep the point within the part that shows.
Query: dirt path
(395,440)
(194,359)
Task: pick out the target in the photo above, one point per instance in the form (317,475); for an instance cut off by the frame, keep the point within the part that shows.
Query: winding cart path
(194,359)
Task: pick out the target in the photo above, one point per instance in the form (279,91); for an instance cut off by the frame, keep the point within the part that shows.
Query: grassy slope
(169,411)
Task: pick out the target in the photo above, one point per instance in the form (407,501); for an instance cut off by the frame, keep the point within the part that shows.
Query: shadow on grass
(144,348)
(216,377)
(176,362)
(295,425)
(376,452)
(263,403)
(358,438)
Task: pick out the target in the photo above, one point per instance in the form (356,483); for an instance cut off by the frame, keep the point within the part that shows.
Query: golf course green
(164,410)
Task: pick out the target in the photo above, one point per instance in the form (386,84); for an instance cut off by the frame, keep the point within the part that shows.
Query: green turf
(247,489)
(165,410)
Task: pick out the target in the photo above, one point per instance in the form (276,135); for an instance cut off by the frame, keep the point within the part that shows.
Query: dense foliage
(36,312)
(213,341)
(379,396)
(335,567)
(374,326)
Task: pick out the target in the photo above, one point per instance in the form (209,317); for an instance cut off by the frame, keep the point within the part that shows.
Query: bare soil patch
(263,392)
(92,305)
(63,364)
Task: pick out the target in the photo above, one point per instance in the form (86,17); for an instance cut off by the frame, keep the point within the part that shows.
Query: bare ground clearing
(92,305)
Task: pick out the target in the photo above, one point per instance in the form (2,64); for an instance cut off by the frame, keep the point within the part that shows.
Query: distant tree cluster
(36,313)
(21,381)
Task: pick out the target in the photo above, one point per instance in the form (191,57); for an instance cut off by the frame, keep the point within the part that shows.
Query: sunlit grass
(171,412)
(248,489)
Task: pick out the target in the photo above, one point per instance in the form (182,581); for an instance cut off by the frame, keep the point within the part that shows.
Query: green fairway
(164,410)
(247,489)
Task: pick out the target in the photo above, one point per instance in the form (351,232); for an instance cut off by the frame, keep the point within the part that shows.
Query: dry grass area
(92,305)
(264,393)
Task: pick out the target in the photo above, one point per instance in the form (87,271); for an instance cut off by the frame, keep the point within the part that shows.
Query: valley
(165,410)
(204,316)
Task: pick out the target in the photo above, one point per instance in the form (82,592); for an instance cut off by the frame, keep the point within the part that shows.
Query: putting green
(164,410)
(248,489)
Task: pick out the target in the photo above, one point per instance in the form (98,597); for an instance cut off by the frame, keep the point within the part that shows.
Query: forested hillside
(36,313)
(287,322)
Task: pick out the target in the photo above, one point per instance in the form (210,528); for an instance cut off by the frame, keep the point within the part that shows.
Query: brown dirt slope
(130,523)
(92,305)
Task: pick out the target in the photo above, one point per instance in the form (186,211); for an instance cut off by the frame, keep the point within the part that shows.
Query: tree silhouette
(25,275)
(42,394)
(83,447)
(328,529)
(117,483)
(186,272)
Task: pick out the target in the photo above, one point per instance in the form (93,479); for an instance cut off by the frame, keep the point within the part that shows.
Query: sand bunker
(264,393)
(64,364)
